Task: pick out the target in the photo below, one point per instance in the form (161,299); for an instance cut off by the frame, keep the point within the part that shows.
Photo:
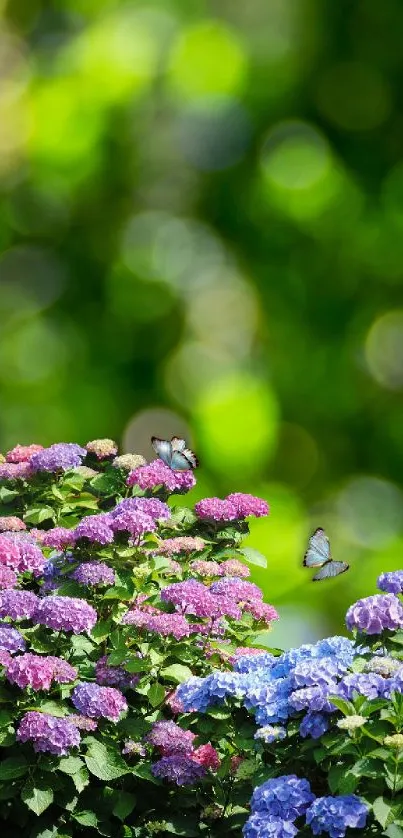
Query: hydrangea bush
(138,697)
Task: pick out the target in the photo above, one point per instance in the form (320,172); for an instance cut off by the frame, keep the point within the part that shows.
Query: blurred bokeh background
(202,232)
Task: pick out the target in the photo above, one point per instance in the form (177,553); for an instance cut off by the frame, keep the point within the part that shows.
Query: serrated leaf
(366,767)
(37,796)
(70,765)
(156,694)
(86,818)
(13,767)
(176,673)
(254,557)
(124,806)
(382,811)
(101,630)
(104,762)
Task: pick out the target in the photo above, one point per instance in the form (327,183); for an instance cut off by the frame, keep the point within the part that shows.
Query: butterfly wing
(318,551)
(178,444)
(194,462)
(179,462)
(163,448)
(330,570)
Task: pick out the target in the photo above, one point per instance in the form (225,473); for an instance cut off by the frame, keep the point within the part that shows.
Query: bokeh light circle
(384,350)
(370,511)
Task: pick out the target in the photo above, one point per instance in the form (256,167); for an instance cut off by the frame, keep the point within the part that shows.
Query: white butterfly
(318,555)
(174,453)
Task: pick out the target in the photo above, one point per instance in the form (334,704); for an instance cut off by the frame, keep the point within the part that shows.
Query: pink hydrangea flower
(38,671)
(8,579)
(157,473)
(207,755)
(261,611)
(248,505)
(170,739)
(215,509)
(15,471)
(11,523)
(59,538)
(22,453)
(180,544)
(206,569)
(232,567)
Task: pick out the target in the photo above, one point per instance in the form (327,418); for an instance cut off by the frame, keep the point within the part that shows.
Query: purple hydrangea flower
(179,769)
(237,589)
(285,797)
(155,508)
(15,471)
(96,528)
(192,597)
(38,671)
(48,733)
(246,505)
(31,560)
(170,739)
(373,614)
(65,613)
(113,676)
(169,624)
(364,683)
(94,573)
(261,611)
(99,702)
(261,825)
(133,749)
(59,538)
(215,509)
(8,579)
(60,456)
(11,640)
(133,521)
(391,582)
(157,473)
(335,815)
(19,605)
(313,725)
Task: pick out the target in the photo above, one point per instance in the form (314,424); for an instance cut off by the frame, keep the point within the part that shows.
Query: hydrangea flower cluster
(64,613)
(61,456)
(48,733)
(156,474)
(176,745)
(374,614)
(99,702)
(95,528)
(94,573)
(38,672)
(234,507)
(102,448)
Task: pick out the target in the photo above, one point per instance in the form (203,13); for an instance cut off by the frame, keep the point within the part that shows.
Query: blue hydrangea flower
(313,698)
(270,701)
(285,798)
(313,725)
(316,672)
(391,582)
(335,815)
(264,826)
(255,663)
(364,683)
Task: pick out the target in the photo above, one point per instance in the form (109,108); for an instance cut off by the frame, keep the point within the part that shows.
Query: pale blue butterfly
(318,555)
(174,453)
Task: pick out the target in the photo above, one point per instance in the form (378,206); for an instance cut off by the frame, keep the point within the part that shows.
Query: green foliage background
(201,213)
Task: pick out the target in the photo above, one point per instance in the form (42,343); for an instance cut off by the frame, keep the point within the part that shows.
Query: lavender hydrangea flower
(113,676)
(285,797)
(215,509)
(182,770)
(155,508)
(60,456)
(38,671)
(22,453)
(169,624)
(246,505)
(133,521)
(374,614)
(133,749)
(11,640)
(237,589)
(261,611)
(94,573)
(95,528)
(48,733)
(252,660)
(391,582)
(313,698)
(31,559)
(157,473)
(8,579)
(335,815)
(313,725)
(99,702)
(11,523)
(59,538)
(64,613)
(265,826)
(19,605)
(15,471)
(192,597)
(362,683)
(170,739)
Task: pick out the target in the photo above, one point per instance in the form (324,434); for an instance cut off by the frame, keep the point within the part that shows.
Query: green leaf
(382,811)
(105,762)
(81,779)
(52,707)
(7,495)
(335,774)
(13,767)
(37,514)
(347,783)
(70,765)
(107,483)
(394,831)
(156,694)
(177,673)
(124,805)
(346,707)
(246,769)
(136,665)
(218,713)
(366,767)
(37,796)
(253,556)
(86,818)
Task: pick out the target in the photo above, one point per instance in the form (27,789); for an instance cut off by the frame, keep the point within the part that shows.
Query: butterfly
(174,453)
(318,555)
